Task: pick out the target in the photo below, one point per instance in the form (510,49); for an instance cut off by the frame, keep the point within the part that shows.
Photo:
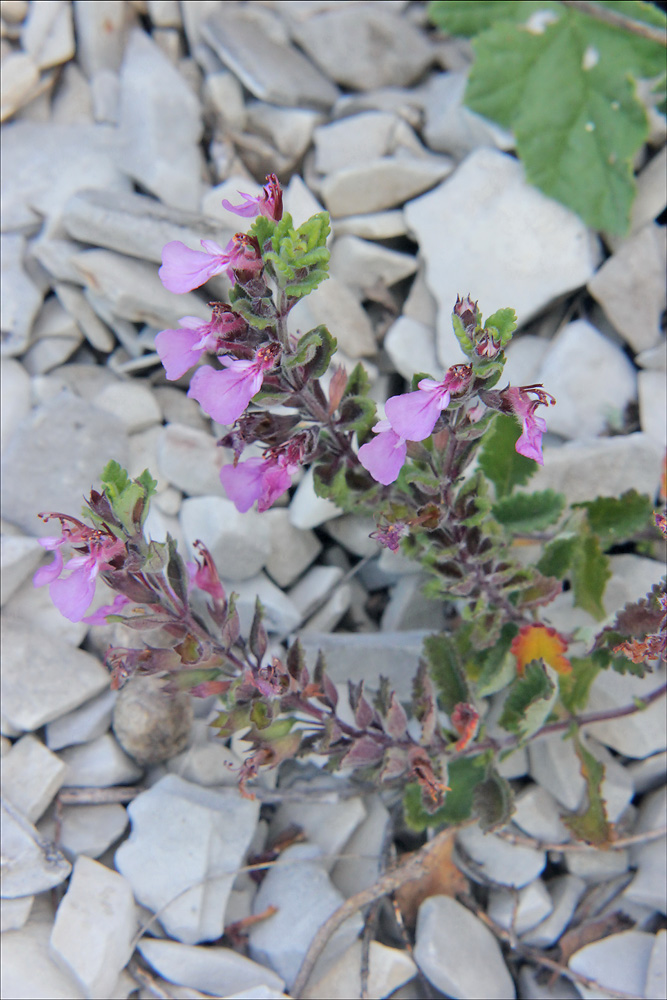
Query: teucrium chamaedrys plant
(413,472)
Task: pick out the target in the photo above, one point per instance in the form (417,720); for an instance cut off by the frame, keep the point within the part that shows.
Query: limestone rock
(21,299)
(31,776)
(99,764)
(382,183)
(292,549)
(333,305)
(364,266)
(149,724)
(48,33)
(239,543)
(450,126)
(190,459)
(29,865)
(220,971)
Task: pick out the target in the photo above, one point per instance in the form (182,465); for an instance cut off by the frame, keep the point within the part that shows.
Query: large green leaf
(446,671)
(575,687)
(463,777)
(616,519)
(590,572)
(499,459)
(529,700)
(469,17)
(527,512)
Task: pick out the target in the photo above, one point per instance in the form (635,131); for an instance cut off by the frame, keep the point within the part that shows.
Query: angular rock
(500,861)
(648,773)
(190,459)
(537,813)
(94,927)
(619,962)
(43,677)
(280,613)
(48,33)
(288,129)
(313,588)
(649,884)
(184,840)
(363,851)
(32,607)
(29,865)
(364,47)
(307,510)
(101,34)
(99,764)
(20,79)
(484,208)
(555,766)
(411,347)
(374,225)
(354,140)
(223,96)
(583,470)
(637,735)
(524,359)
(300,888)
(565,892)
(15,398)
(450,126)
(271,69)
(239,543)
(630,287)
(55,337)
(72,103)
(410,609)
(14,914)
(597,866)
(358,656)
(364,266)
(656,976)
(31,776)
(216,970)
(178,409)
(653,405)
(21,299)
(333,305)
(520,911)
(44,164)
(54,458)
(94,330)
(29,970)
(19,559)
(292,549)
(585,406)
(388,969)
(208,764)
(86,830)
(382,183)
(420,304)
(327,824)
(458,954)
(150,724)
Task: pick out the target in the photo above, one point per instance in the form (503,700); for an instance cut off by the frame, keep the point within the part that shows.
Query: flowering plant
(438,471)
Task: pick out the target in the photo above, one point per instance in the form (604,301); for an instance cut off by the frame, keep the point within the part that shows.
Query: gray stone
(210,763)
(29,865)
(72,103)
(219,971)
(654,358)
(164,13)
(333,305)
(301,203)
(292,549)
(43,677)
(356,139)
(94,926)
(55,457)
(14,914)
(408,608)
(520,911)
(14,398)
(565,892)
(88,830)
(648,773)
(95,331)
(191,460)
(630,287)
(313,588)
(653,405)
(537,813)
(31,776)
(555,766)
(450,126)
(362,863)
(583,470)
(358,656)
(656,976)
(307,510)
(373,225)
(177,408)
(352,531)
(47,33)
(133,290)
(151,724)
(649,886)
(101,34)
(364,47)
(223,97)
(305,897)
(500,861)
(32,607)
(420,304)
(20,79)
(29,970)
(458,953)
(20,557)
(524,359)
(388,969)
(133,403)
(328,824)
(183,852)
(55,337)
(239,543)
(533,984)
(105,93)
(382,183)
(619,962)
(272,69)
(99,764)
(21,299)
(597,866)
(486,207)
(637,735)
(585,406)
(651,199)
(411,347)
(281,614)
(365,266)
(288,129)
(44,164)
(55,255)
(328,616)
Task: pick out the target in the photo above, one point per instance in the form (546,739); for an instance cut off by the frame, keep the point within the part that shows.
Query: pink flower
(184,269)
(99,617)
(268,203)
(182,348)
(261,479)
(389,535)
(414,414)
(204,574)
(530,443)
(384,456)
(73,594)
(224,395)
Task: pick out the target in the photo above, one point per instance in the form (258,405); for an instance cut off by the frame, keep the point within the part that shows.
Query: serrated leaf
(504,322)
(591,825)
(568,93)
(464,340)
(497,667)
(114,479)
(314,349)
(558,556)
(358,413)
(334,488)
(616,519)
(358,383)
(575,686)
(499,459)
(463,776)
(590,572)
(469,17)
(530,700)
(446,671)
(493,801)
(524,513)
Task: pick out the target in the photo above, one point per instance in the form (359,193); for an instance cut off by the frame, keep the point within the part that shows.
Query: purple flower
(184,269)
(73,594)
(182,348)
(530,442)
(384,456)
(261,479)
(99,617)
(204,574)
(414,414)
(389,535)
(268,203)
(224,395)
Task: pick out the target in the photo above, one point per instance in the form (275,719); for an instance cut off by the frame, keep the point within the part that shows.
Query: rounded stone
(151,725)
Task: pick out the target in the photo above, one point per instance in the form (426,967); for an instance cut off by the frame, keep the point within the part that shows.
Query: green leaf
(332,488)
(524,513)
(472,503)
(504,323)
(590,572)
(591,825)
(499,459)
(300,258)
(558,556)
(460,332)
(114,479)
(568,93)
(358,383)
(446,671)
(498,667)
(529,700)
(358,413)
(616,519)
(469,17)
(463,776)
(493,801)
(314,350)
(575,687)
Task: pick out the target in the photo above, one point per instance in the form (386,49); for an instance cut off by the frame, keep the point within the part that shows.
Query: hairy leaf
(463,776)
(446,671)
(615,519)
(529,700)
(592,825)
(502,324)
(496,666)
(499,459)
(524,513)
(558,556)
(590,572)
(575,686)
(493,801)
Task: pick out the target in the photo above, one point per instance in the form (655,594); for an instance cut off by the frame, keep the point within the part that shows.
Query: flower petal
(414,414)
(384,456)
(243,482)
(184,269)
(47,574)
(73,595)
(224,395)
(176,350)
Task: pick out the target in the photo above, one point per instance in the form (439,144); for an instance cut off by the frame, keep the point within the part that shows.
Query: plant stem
(616,20)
